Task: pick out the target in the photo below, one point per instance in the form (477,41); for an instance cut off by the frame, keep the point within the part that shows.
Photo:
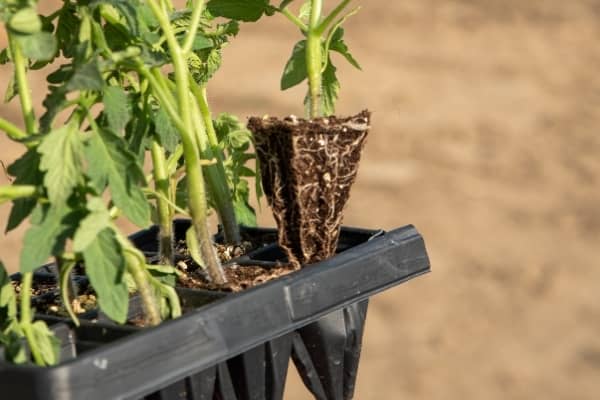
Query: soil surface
(239,277)
(486,136)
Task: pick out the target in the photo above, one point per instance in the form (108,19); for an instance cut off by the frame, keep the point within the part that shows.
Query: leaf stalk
(20,63)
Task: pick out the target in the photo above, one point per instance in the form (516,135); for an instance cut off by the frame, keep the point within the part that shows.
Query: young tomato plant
(311,56)
(132,82)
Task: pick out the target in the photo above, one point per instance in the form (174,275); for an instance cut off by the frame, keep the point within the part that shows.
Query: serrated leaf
(26,171)
(116,108)
(39,46)
(168,135)
(331,89)
(45,237)
(54,103)
(62,74)
(203,68)
(193,247)
(225,123)
(25,21)
(109,160)
(86,77)
(244,213)
(95,222)
(20,211)
(295,69)
(339,45)
(61,150)
(305,9)
(47,343)
(241,10)
(239,138)
(105,267)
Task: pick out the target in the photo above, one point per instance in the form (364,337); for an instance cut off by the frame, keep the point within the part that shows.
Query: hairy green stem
(193,28)
(11,130)
(314,59)
(294,19)
(165,211)
(195,180)
(163,96)
(332,16)
(20,63)
(169,293)
(216,175)
(26,282)
(137,270)
(67,287)
(164,84)
(13,192)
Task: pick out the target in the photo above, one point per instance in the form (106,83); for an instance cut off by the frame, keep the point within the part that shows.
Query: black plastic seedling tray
(237,347)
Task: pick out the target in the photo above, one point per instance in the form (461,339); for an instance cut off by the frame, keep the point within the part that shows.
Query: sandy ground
(486,137)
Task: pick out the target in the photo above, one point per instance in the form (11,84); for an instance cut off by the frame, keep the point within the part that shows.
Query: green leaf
(14,345)
(19,212)
(39,46)
(25,21)
(331,89)
(338,44)
(105,266)
(68,23)
(54,103)
(4,57)
(127,8)
(284,4)
(8,299)
(295,69)
(239,138)
(201,42)
(224,124)
(86,77)
(95,222)
(109,160)
(244,213)
(203,68)
(26,171)
(61,75)
(193,247)
(45,237)
(12,89)
(241,10)
(164,273)
(305,9)
(168,135)
(116,108)
(61,150)
(47,343)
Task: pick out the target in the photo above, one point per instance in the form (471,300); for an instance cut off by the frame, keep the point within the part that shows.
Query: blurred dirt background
(486,136)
